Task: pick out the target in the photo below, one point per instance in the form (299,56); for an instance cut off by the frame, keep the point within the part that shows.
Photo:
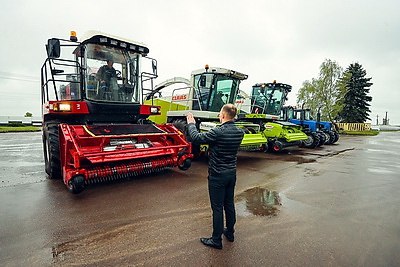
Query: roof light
(73,37)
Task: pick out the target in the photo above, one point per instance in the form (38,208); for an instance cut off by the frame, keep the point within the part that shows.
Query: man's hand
(190,118)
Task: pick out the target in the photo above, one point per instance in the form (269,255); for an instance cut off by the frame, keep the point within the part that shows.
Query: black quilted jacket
(224,142)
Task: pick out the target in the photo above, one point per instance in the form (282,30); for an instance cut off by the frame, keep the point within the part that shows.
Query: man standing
(224,142)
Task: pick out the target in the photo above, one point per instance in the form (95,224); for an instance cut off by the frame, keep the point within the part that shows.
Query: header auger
(95,125)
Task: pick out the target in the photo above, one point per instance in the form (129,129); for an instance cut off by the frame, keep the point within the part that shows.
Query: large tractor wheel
(51,149)
(327,138)
(322,138)
(332,137)
(336,134)
(312,141)
(181,125)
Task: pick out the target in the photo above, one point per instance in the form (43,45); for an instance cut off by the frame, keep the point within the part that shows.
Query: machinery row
(104,119)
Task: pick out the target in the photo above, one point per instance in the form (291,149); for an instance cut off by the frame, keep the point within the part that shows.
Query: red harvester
(95,127)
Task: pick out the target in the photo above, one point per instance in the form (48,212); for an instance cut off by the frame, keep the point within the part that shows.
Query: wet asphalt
(337,205)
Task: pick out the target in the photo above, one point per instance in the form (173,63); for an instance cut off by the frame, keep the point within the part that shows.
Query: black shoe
(210,242)
(230,237)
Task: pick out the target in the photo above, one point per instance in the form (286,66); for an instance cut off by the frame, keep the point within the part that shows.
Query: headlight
(65,107)
(60,107)
(154,110)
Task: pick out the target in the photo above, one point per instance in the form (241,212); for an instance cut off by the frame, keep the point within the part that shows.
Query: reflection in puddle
(258,201)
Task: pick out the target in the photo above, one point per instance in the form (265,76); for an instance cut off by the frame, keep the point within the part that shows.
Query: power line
(18,79)
(16,75)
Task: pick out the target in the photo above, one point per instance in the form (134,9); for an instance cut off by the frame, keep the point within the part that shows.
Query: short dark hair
(230,110)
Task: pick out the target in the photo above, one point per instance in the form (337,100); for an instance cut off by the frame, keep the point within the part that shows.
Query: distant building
(33,121)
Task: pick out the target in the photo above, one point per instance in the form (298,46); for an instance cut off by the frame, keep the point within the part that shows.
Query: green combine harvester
(204,95)
(263,107)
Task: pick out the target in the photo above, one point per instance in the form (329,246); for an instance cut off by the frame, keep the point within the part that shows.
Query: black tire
(312,141)
(273,147)
(277,146)
(327,138)
(265,148)
(76,184)
(185,164)
(332,137)
(51,149)
(322,138)
(181,125)
(336,137)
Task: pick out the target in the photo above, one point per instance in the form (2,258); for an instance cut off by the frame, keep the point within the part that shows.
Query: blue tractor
(319,133)
(332,135)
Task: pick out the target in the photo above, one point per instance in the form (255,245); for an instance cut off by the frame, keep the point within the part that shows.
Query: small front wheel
(185,164)
(76,184)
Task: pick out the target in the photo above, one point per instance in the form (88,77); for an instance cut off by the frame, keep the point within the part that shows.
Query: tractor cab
(303,114)
(268,98)
(100,75)
(213,89)
(204,95)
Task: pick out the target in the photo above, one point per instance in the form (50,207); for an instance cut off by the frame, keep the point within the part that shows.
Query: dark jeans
(221,189)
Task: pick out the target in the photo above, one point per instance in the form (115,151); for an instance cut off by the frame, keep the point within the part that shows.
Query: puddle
(379,170)
(258,201)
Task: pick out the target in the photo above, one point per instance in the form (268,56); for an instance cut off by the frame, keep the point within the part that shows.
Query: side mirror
(154,65)
(53,48)
(203,81)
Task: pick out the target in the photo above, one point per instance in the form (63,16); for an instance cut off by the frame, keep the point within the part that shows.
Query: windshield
(112,74)
(267,100)
(289,113)
(307,115)
(215,90)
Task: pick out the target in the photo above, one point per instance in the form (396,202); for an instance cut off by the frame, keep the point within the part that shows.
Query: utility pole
(386,120)
(377,122)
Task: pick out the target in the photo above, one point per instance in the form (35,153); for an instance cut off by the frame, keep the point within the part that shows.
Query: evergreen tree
(355,102)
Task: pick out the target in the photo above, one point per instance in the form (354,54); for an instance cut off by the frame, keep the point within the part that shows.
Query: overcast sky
(269,40)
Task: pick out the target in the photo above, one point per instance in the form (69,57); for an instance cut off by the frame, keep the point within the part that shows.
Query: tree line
(341,96)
